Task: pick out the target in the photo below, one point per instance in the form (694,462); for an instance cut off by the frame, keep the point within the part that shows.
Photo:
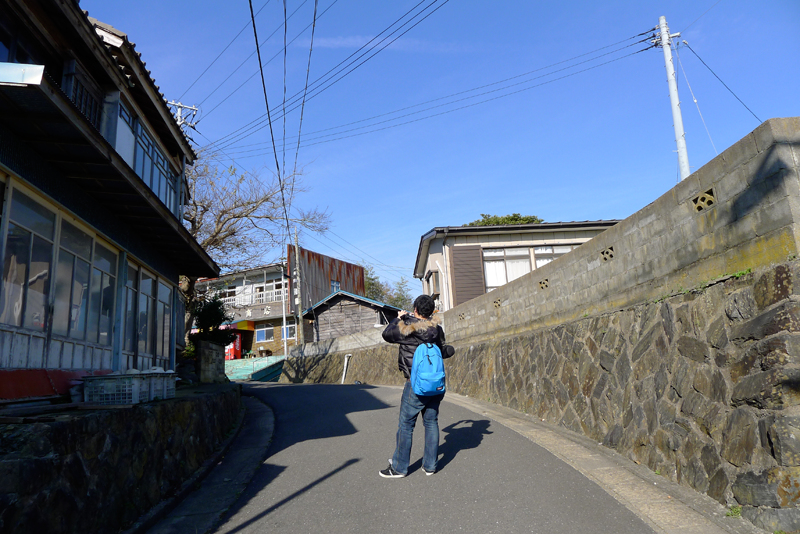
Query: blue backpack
(427,370)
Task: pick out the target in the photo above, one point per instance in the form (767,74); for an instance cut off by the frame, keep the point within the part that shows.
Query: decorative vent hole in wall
(544,284)
(704,201)
(607,254)
(497,303)
(461,316)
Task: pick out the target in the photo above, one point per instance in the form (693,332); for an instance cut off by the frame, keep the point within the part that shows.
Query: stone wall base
(100,471)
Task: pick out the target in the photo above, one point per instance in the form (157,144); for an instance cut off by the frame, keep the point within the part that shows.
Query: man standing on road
(410,331)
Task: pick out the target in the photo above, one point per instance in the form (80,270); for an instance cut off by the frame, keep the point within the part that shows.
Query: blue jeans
(410,406)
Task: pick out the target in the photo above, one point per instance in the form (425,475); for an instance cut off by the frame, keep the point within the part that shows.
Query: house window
(85,287)
(148,316)
(501,266)
(146,313)
(101,296)
(334,286)
(433,283)
(163,320)
(264,333)
(131,289)
(27,263)
(72,282)
(126,116)
(289,331)
(546,254)
(153,168)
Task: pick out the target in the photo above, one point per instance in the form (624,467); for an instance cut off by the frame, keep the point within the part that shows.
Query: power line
(241,136)
(223,51)
(701,16)
(468,105)
(377,262)
(243,63)
(677,53)
(483,86)
(453,95)
(390,267)
(318,81)
(319,91)
(266,101)
(265,64)
(350,254)
(285,34)
(723,83)
(305,91)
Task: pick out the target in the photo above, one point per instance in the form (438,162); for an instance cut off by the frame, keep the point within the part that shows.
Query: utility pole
(664,41)
(284,292)
(179,117)
(299,330)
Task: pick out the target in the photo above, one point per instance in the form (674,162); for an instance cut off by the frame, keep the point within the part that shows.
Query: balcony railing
(262,297)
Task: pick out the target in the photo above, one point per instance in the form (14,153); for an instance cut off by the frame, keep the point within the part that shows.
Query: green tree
(397,295)
(496,220)
(401,296)
(373,287)
(210,314)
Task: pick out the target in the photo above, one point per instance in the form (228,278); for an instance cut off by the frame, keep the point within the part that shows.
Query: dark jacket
(410,332)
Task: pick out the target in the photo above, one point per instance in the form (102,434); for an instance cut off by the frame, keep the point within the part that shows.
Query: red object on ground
(25,383)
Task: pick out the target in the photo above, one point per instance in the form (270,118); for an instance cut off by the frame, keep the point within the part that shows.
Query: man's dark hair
(424,305)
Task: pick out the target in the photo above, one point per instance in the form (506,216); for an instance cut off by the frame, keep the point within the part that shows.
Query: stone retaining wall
(100,471)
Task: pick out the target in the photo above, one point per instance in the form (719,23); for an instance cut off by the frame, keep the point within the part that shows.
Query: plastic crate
(161,385)
(112,389)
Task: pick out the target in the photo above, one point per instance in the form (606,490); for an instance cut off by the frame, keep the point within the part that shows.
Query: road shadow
(266,475)
(334,401)
(303,412)
(460,436)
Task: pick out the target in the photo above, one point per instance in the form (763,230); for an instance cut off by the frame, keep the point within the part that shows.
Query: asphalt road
(330,441)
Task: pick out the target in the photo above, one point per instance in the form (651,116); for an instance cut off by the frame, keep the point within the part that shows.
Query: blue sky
(597,144)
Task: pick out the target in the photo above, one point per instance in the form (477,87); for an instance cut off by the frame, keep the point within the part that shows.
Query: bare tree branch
(238,218)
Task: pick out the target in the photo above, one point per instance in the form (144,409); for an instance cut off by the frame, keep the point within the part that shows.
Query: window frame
(265,327)
(33,234)
(501,254)
(289,328)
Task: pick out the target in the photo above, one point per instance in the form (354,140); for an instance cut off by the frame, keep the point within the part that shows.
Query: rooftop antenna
(664,40)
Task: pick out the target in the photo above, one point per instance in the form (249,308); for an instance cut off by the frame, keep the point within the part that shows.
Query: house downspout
(446,273)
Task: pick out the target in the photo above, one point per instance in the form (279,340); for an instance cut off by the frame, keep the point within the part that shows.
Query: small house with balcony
(458,263)
(93,168)
(258,302)
(263,301)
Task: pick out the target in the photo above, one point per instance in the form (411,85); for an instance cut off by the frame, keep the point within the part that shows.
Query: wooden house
(342,313)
